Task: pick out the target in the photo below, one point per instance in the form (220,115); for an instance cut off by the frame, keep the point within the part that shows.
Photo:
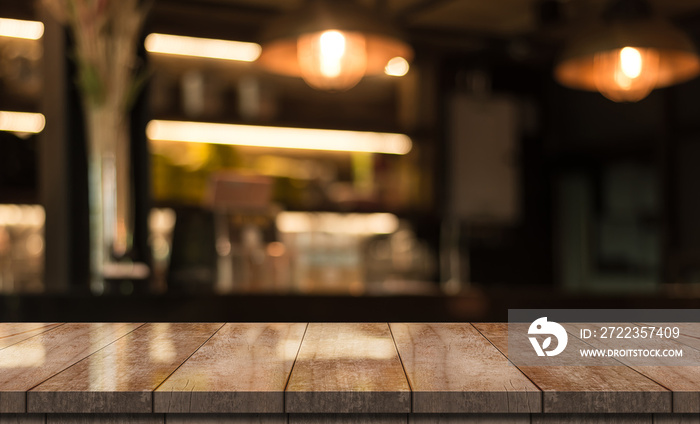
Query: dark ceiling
(502,18)
(537,28)
(486,18)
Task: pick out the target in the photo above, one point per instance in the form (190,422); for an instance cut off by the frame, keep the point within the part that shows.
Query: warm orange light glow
(397,67)
(628,74)
(15,28)
(276,249)
(202,47)
(279,137)
(22,215)
(332,60)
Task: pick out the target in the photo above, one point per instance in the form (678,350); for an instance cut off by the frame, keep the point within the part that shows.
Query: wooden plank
(226,418)
(676,418)
(121,377)
(689,329)
(347,418)
(22,419)
(348,368)
(452,368)
(592,419)
(686,339)
(105,419)
(13,333)
(587,389)
(495,333)
(683,381)
(29,363)
(469,419)
(688,400)
(242,369)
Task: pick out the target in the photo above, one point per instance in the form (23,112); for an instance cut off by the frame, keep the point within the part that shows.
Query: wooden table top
(299,368)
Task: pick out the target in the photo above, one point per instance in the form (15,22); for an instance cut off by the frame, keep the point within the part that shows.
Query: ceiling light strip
(337,223)
(279,137)
(202,47)
(22,122)
(15,28)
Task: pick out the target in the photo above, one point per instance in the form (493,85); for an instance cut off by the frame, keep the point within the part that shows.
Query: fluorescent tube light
(202,47)
(337,223)
(15,28)
(279,137)
(22,122)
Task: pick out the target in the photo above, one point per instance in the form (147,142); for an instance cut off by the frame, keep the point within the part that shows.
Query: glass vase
(110,200)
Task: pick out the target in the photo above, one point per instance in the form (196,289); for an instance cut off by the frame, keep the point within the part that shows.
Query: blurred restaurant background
(467,176)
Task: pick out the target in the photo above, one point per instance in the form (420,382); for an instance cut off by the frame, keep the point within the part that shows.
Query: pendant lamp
(627,54)
(331,44)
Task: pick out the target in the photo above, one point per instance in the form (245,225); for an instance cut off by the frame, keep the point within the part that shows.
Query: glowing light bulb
(628,74)
(332,60)
(630,62)
(397,67)
(332,45)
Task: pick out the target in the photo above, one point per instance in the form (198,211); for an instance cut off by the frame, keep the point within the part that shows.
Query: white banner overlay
(603,337)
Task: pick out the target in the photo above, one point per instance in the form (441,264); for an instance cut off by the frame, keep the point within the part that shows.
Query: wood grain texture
(495,333)
(686,400)
(676,418)
(452,368)
(689,329)
(29,363)
(105,419)
(348,368)
(592,419)
(347,418)
(13,333)
(469,419)
(683,381)
(243,369)
(121,377)
(225,418)
(22,419)
(588,389)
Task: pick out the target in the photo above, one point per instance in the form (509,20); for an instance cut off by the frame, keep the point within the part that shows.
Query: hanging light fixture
(331,44)
(628,54)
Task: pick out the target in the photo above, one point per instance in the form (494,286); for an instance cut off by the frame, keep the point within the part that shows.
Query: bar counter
(484,304)
(315,373)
